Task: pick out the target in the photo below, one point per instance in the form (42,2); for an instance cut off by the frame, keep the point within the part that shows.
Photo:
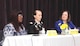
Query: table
(77,39)
(18,41)
(59,40)
(29,40)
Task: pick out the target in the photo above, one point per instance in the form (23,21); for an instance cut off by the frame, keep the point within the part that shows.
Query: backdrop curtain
(51,9)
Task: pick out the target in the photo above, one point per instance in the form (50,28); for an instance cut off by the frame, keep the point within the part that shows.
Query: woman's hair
(69,16)
(14,19)
(34,13)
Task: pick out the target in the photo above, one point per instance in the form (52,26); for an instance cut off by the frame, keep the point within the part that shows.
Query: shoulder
(59,22)
(8,26)
(34,23)
(41,22)
(70,22)
(31,22)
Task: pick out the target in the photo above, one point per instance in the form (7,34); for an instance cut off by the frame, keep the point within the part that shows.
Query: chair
(1,35)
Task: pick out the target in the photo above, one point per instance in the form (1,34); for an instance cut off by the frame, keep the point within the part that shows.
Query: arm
(30,28)
(57,27)
(7,31)
(71,25)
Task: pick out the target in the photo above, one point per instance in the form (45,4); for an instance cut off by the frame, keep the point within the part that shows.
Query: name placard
(73,31)
(51,33)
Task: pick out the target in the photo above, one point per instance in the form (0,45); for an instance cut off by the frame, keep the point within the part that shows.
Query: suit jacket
(60,22)
(34,28)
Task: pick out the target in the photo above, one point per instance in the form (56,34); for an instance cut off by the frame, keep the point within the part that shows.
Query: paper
(51,33)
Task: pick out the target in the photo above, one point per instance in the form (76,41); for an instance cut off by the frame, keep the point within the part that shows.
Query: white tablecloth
(77,39)
(61,40)
(18,41)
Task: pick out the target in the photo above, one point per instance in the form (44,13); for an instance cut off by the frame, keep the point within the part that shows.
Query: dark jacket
(34,28)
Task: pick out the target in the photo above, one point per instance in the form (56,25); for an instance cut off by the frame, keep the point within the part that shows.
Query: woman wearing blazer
(36,26)
(65,20)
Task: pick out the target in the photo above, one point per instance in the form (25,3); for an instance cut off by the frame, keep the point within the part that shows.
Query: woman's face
(20,17)
(38,15)
(65,16)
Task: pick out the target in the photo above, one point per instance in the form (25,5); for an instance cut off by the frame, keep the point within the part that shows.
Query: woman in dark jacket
(36,25)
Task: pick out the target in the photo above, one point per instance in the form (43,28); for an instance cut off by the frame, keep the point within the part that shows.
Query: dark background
(51,9)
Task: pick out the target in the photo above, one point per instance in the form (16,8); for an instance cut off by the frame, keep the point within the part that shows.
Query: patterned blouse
(9,30)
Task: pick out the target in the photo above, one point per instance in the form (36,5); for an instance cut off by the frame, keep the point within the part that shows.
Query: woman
(15,26)
(64,22)
(36,26)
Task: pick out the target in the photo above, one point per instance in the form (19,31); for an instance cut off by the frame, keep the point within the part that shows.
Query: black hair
(35,11)
(14,19)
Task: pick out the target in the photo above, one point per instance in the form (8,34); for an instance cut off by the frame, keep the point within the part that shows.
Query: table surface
(60,40)
(18,41)
(43,40)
